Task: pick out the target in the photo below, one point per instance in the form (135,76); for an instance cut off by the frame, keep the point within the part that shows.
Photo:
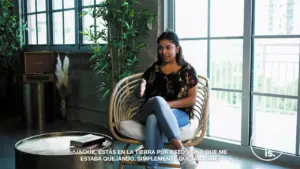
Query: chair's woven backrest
(200,110)
(124,104)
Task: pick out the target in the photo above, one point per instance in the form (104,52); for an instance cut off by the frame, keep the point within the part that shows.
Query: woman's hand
(142,87)
(190,100)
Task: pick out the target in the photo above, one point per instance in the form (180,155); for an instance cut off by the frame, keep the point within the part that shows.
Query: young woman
(170,87)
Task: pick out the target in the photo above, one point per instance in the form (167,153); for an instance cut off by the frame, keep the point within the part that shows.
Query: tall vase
(63,108)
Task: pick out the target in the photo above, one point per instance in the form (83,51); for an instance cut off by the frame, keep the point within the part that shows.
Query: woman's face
(167,51)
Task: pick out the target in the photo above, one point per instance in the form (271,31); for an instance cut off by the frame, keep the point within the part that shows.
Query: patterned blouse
(173,86)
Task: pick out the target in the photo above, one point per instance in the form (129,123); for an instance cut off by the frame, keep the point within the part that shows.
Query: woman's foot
(186,158)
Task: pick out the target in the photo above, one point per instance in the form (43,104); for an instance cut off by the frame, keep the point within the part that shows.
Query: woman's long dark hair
(171,36)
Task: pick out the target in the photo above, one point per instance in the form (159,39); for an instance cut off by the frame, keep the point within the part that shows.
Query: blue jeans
(160,121)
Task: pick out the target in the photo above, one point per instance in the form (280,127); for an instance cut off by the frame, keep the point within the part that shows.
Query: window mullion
(21,16)
(247,95)
(63,21)
(76,12)
(95,27)
(208,49)
(36,23)
(50,23)
(39,12)
(171,15)
(61,10)
(26,21)
(47,23)
(298,117)
(208,38)
(80,25)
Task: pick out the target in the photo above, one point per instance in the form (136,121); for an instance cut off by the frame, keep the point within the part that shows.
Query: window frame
(49,46)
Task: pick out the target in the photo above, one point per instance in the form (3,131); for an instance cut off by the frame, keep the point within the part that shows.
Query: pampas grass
(62,77)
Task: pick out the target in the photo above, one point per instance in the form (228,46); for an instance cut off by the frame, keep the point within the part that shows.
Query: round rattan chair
(124,104)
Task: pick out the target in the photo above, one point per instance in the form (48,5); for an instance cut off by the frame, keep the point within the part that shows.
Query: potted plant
(11,41)
(63,83)
(127,26)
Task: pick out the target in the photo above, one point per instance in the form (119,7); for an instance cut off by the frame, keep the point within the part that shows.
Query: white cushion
(135,130)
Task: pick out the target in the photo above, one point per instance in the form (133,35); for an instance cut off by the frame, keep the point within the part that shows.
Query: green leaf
(140,45)
(84,33)
(98,65)
(99,72)
(131,13)
(127,25)
(125,4)
(83,13)
(104,66)
(106,93)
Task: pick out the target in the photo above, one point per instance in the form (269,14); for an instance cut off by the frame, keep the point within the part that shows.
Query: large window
(55,24)
(276,73)
(250,50)
(37,22)
(214,45)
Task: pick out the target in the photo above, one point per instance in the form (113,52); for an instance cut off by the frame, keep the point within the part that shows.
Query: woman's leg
(167,121)
(182,120)
(154,140)
(166,118)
